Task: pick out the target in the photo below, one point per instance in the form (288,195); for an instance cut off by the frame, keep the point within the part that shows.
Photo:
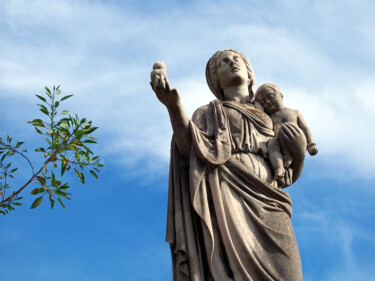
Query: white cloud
(337,235)
(340,119)
(103,55)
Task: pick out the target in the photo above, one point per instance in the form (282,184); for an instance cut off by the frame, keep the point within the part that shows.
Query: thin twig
(14,194)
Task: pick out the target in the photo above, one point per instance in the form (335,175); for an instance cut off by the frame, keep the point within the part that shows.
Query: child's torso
(285,115)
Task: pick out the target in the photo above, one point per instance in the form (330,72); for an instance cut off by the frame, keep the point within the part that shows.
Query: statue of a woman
(227,218)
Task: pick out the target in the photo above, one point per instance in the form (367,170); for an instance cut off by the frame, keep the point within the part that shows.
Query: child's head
(270,97)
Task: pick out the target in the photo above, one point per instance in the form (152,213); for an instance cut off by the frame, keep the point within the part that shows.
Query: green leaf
(64,186)
(80,176)
(42,106)
(48,91)
(94,174)
(39,125)
(89,131)
(36,202)
(89,141)
(48,140)
(64,112)
(58,199)
(17,203)
(45,111)
(63,168)
(56,183)
(58,91)
(36,121)
(66,97)
(3,157)
(53,176)
(64,124)
(37,190)
(38,131)
(41,180)
(60,193)
(78,133)
(41,98)
(19,143)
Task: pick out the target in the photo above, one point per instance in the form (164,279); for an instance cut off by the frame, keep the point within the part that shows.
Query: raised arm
(172,101)
(311,146)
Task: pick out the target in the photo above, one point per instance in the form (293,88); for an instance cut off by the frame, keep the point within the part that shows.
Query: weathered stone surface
(270,97)
(228,219)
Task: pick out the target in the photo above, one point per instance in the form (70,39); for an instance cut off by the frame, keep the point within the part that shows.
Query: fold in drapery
(225,222)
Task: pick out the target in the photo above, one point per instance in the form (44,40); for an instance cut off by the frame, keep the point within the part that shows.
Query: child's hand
(312,149)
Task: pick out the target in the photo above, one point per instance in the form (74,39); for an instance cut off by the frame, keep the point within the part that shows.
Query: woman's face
(231,70)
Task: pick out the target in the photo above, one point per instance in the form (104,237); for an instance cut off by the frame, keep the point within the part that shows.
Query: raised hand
(294,138)
(160,85)
(171,99)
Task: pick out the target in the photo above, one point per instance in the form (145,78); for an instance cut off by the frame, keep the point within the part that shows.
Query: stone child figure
(271,98)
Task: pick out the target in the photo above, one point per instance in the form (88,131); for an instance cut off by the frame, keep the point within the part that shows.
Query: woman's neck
(236,93)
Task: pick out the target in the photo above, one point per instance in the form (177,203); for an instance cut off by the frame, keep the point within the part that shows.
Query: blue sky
(320,53)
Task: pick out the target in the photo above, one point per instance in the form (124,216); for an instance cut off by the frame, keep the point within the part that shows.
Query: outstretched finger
(162,81)
(156,82)
(167,85)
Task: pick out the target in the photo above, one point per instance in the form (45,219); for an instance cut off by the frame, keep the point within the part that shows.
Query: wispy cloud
(104,54)
(340,232)
(319,53)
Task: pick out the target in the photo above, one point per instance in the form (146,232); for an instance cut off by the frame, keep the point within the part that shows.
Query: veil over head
(211,74)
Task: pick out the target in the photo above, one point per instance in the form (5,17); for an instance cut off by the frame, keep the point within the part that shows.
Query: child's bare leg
(288,159)
(276,159)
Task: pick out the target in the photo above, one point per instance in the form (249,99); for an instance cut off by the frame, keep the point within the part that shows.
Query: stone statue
(270,97)
(227,217)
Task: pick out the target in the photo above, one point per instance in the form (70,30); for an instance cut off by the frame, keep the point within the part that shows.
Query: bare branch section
(67,140)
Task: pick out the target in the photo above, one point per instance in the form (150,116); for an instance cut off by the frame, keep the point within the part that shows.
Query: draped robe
(227,220)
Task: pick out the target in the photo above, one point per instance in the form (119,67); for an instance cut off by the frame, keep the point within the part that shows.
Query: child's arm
(311,146)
